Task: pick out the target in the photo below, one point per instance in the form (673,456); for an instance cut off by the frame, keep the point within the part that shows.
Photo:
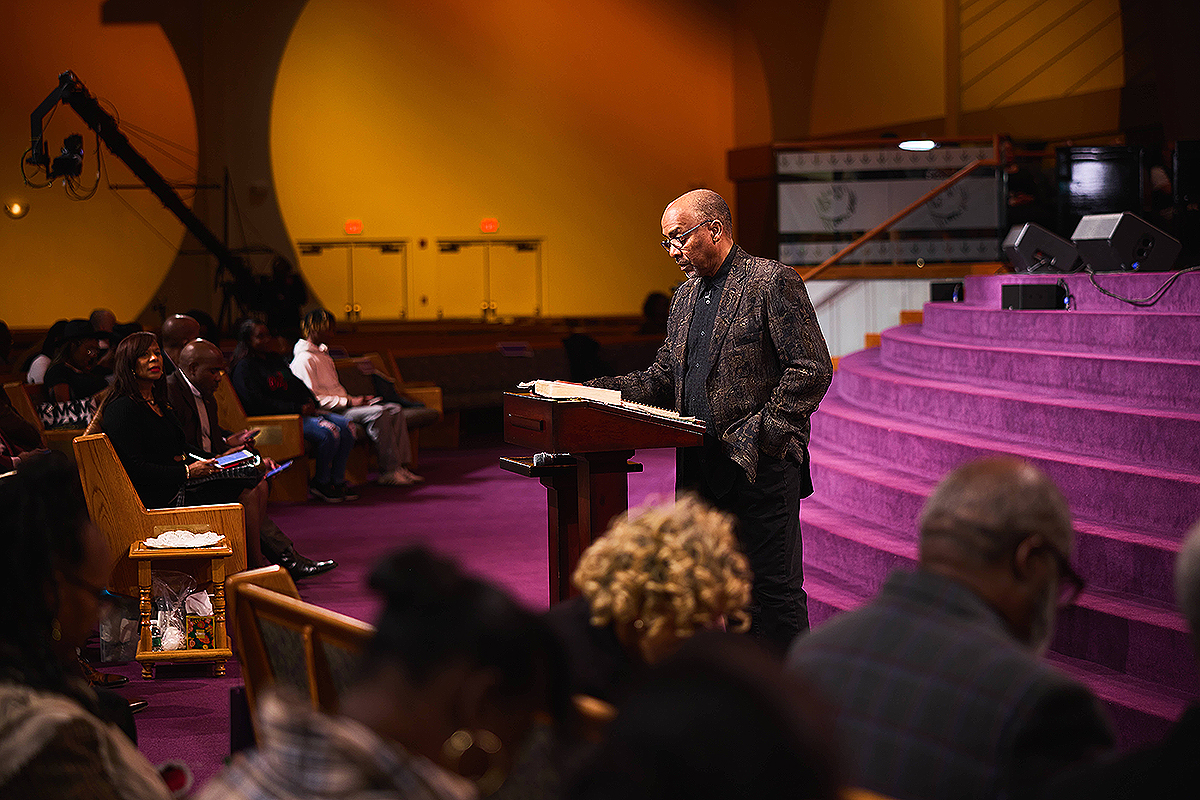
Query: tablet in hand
(233,459)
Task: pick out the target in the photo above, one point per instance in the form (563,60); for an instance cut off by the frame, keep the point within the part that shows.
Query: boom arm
(70,90)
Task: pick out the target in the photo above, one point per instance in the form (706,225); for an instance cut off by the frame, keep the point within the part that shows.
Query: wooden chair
(118,512)
(282,439)
(284,641)
(442,434)
(25,398)
(274,577)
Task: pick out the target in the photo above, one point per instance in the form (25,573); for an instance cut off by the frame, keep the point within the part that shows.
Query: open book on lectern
(565,390)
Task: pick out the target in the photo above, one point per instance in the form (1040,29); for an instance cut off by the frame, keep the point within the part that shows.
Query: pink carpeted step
(1128,332)
(1117,631)
(1141,711)
(1098,489)
(1113,557)
(827,596)
(1156,382)
(1183,295)
(1144,436)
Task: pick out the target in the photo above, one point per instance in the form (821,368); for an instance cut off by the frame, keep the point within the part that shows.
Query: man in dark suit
(938,685)
(190,389)
(1169,768)
(744,354)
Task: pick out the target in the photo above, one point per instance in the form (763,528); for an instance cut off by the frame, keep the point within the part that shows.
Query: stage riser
(1141,437)
(1107,332)
(1170,384)
(1107,493)
(983,291)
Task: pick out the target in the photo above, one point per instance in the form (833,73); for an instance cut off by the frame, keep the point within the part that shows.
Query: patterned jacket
(770,365)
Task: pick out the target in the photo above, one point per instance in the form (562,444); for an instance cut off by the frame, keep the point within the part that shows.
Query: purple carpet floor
(1104,398)
(491,521)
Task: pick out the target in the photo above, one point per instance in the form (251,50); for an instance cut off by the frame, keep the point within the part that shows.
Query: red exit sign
(489,225)
(353,226)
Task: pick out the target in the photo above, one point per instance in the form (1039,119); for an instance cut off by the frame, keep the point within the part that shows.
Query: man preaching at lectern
(744,354)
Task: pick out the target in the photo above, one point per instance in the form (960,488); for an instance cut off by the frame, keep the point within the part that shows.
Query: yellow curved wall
(576,122)
(882,63)
(66,258)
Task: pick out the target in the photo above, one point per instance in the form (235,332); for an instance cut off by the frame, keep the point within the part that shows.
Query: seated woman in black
(151,445)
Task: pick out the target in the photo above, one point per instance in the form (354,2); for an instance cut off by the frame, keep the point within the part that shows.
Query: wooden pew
(281,439)
(118,512)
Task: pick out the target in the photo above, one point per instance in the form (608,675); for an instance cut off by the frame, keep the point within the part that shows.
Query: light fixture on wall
(15,209)
(918,145)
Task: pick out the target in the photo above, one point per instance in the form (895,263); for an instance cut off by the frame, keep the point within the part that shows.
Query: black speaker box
(1124,243)
(947,292)
(1033,296)
(1032,248)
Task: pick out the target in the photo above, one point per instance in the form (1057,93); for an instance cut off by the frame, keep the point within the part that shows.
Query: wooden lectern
(586,487)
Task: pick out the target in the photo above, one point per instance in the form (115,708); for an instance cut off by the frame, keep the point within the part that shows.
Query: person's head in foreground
(1187,583)
(718,719)
(457,671)
(1002,527)
(58,564)
(661,574)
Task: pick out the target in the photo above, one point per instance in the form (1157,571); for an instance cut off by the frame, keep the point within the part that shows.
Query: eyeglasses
(1070,583)
(681,239)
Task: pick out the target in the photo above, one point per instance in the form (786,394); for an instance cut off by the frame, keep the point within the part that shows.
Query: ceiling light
(918,145)
(16,209)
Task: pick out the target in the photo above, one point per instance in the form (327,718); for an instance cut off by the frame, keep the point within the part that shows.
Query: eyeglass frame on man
(680,240)
(1070,583)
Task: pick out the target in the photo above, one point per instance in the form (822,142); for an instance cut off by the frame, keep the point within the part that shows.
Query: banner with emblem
(856,206)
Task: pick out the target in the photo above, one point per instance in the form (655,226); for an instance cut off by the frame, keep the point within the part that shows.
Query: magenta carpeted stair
(1104,398)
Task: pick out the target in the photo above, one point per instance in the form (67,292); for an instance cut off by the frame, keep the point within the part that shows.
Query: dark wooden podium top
(586,426)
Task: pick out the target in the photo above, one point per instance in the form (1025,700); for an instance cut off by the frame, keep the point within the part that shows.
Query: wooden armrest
(431,396)
(282,435)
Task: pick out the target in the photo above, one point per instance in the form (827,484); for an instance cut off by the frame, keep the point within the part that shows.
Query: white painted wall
(847,310)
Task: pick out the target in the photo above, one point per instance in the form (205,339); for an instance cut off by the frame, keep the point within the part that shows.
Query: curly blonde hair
(675,568)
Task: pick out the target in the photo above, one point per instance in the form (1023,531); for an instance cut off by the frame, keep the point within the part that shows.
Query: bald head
(707,204)
(981,511)
(178,330)
(699,227)
(203,364)
(103,320)
(1187,582)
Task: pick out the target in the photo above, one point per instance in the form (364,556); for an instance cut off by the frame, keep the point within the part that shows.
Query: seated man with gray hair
(938,685)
